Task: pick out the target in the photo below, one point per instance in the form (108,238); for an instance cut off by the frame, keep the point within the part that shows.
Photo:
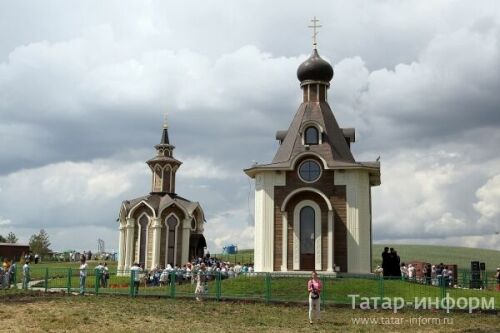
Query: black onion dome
(315,69)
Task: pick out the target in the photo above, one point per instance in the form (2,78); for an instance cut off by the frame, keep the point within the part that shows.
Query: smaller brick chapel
(313,201)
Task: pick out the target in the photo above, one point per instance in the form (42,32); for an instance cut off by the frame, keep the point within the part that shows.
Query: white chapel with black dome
(313,201)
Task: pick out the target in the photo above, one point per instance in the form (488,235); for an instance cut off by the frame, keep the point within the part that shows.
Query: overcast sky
(84,86)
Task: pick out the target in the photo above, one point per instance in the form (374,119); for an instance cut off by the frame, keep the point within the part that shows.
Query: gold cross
(315,33)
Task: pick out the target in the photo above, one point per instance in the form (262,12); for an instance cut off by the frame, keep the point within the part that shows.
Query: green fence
(263,287)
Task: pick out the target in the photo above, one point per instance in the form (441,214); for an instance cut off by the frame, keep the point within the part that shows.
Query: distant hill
(462,256)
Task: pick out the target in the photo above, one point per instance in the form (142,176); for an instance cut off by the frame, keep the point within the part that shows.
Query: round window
(309,171)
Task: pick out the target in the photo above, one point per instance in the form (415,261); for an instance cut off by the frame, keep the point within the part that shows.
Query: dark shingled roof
(163,159)
(164,137)
(158,201)
(334,147)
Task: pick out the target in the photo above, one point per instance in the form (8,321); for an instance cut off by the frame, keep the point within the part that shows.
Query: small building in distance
(13,251)
(161,227)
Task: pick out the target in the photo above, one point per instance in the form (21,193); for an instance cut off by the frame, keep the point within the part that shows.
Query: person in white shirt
(201,283)
(451,279)
(136,271)
(105,275)
(237,269)
(188,273)
(404,270)
(26,274)
(411,271)
(99,271)
(446,275)
(164,277)
(83,275)
(230,272)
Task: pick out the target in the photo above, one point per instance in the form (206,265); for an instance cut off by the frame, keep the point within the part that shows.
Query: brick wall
(337,198)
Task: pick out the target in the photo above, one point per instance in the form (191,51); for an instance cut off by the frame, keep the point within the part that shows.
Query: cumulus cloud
(4,222)
(82,99)
(225,229)
(434,200)
(488,204)
(67,193)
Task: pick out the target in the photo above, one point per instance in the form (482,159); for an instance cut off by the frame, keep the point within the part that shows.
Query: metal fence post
(46,279)
(97,277)
(267,295)
(323,291)
(14,277)
(69,281)
(132,287)
(381,287)
(442,287)
(172,284)
(217,285)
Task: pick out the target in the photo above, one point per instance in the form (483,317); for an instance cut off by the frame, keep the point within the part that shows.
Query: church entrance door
(307,238)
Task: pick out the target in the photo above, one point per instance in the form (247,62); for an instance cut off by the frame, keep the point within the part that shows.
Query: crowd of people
(199,270)
(7,273)
(430,274)
(390,263)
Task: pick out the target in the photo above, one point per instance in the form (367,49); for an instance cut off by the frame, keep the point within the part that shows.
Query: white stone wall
(264,219)
(358,219)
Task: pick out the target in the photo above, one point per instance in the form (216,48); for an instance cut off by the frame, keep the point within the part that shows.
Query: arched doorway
(307,234)
(307,238)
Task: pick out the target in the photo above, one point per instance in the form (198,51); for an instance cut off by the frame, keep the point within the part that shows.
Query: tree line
(39,242)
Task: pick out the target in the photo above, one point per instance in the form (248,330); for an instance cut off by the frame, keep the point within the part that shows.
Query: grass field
(57,313)
(462,256)
(283,288)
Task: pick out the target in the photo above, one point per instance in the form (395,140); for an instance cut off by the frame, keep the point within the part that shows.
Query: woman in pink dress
(314,289)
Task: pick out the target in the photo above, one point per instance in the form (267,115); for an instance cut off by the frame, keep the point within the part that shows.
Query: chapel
(313,201)
(161,227)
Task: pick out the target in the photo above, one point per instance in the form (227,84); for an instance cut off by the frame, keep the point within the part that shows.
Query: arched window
(143,227)
(157,179)
(172,223)
(311,136)
(307,238)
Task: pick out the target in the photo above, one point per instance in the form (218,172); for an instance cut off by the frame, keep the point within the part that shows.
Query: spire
(164,136)
(315,33)
(164,165)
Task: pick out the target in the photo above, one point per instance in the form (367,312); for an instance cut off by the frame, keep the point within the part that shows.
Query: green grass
(59,269)
(55,313)
(286,288)
(243,256)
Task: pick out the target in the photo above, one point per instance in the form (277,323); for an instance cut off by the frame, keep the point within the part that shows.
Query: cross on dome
(315,33)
